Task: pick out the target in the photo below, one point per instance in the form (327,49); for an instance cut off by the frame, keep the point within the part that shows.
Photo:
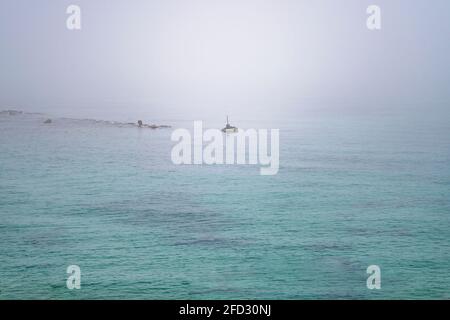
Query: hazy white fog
(203,58)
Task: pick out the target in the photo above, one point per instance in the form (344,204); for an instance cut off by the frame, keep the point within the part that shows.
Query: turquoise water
(352,191)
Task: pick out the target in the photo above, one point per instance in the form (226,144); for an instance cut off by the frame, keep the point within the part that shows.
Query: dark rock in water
(140,123)
(48,121)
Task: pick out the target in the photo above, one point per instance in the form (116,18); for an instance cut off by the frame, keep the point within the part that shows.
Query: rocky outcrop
(11,112)
(140,124)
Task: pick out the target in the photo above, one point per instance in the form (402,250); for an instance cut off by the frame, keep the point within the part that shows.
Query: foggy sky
(194,57)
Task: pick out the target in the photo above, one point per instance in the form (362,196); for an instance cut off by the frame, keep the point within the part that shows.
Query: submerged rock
(150,126)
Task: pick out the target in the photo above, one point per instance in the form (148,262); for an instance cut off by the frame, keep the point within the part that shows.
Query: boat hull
(231,130)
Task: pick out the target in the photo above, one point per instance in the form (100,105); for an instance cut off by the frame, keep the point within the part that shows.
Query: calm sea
(352,191)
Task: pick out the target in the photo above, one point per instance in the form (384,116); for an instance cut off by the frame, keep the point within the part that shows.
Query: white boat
(229,128)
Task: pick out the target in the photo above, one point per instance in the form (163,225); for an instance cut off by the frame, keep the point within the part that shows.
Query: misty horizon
(212,58)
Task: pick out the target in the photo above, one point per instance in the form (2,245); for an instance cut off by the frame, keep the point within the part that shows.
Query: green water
(351,191)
